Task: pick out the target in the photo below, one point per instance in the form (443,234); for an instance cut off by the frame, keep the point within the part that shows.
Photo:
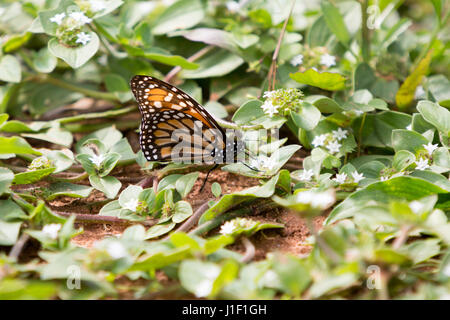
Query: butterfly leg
(206,178)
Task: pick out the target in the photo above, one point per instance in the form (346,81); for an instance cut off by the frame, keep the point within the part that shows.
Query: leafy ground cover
(351,197)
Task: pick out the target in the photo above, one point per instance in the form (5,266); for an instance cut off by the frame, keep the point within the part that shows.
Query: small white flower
(384,178)
(446,271)
(116,250)
(58,18)
(430,147)
(97,159)
(319,140)
(131,205)
(269,108)
(268,94)
(52,230)
(306,175)
(297,60)
(203,288)
(315,69)
(83,38)
(422,164)
(419,93)
(228,228)
(327,60)
(320,200)
(334,147)
(416,206)
(357,177)
(80,17)
(409,127)
(358,112)
(233,6)
(97,5)
(340,178)
(340,134)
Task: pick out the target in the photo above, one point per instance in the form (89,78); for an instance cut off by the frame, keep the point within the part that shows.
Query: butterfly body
(177,128)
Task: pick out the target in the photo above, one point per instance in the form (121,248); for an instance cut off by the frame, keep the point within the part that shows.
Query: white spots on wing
(183,104)
(158,104)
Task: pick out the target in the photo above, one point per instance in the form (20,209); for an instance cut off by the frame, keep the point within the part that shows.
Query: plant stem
(360,133)
(69,86)
(172,73)
(96,115)
(249,250)
(365,32)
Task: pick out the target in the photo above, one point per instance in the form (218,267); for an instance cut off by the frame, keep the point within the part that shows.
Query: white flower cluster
(326,60)
(97,160)
(40,163)
(269,108)
(131,205)
(76,20)
(297,60)
(116,250)
(263,162)
(51,230)
(231,226)
(306,175)
(342,177)
(423,163)
(317,200)
(330,141)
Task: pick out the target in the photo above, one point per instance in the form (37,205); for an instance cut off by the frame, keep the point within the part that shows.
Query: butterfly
(173,123)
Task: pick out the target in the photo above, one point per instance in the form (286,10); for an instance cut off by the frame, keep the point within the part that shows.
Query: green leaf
(198,277)
(331,283)
(162,56)
(10,69)
(307,118)
(68,189)
(11,212)
(215,64)
(335,22)
(185,183)
(182,211)
(403,139)
(324,80)
(211,36)
(324,104)
(117,84)
(53,135)
(216,189)
(405,95)
(32,176)
(44,61)
(248,112)
(9,232)
(229,201)
(6,178)
(159,229)
(109,163)
(182,14)
(439,87)
(77,56)
(399,188)
(435,115)
(110,186)
(422,250)
(130,193)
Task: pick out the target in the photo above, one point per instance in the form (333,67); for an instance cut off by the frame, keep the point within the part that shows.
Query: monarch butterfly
(170,115)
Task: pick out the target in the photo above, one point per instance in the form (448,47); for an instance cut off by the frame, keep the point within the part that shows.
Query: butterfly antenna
(206,178)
